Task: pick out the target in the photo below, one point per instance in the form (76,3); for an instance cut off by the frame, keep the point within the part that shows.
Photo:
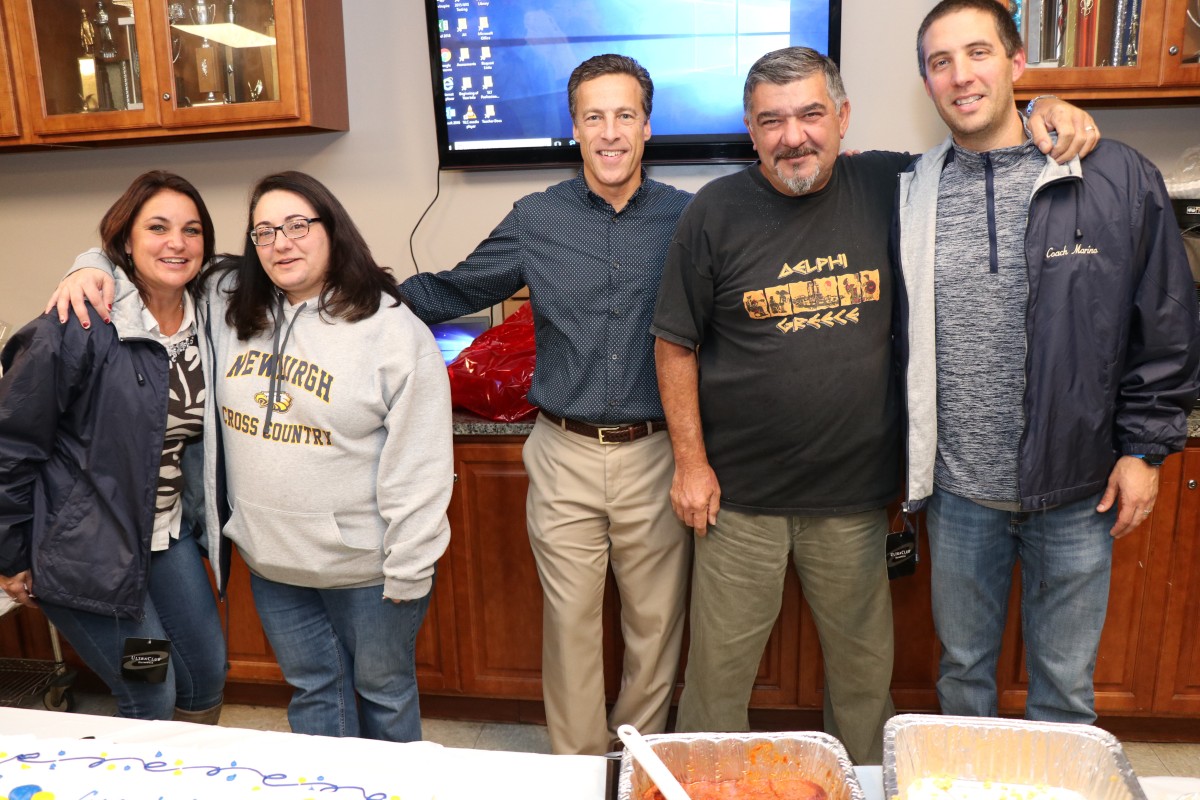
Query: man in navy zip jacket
(1055,375)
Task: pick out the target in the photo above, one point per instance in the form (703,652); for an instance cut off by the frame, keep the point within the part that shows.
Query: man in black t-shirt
(784,416)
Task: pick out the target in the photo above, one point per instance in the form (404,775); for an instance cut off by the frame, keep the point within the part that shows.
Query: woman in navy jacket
(93,425)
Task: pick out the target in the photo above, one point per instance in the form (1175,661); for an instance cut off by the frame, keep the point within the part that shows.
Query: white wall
(385,170)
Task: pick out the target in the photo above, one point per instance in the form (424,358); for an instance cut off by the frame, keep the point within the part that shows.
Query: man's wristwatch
(1033,102)
(1151,459)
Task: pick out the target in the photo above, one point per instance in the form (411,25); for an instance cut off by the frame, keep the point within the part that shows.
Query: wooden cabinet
(149,69)
(1177,688)
(9,121)
(1164,63)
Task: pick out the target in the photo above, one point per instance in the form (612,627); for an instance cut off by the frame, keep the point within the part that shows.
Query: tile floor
(1147,758)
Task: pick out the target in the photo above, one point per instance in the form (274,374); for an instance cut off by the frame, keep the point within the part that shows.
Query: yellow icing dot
(111,767)
(178,762)
(302,780)
(42,796)
(177,772)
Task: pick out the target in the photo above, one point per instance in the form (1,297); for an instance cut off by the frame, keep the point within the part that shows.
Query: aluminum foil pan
(817,757)
(1080,758)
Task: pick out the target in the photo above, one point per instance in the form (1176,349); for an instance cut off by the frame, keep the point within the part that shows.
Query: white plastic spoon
(655,768)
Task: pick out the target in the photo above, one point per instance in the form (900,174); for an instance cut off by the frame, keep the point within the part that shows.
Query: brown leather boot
(207,716)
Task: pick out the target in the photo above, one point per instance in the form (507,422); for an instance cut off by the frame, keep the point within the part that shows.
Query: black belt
(608,434)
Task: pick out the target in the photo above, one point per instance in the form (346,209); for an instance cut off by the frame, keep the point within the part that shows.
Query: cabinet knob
(1173,50)
(1191,484)
(166,95)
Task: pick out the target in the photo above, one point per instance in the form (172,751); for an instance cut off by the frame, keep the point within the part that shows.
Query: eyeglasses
(296,228)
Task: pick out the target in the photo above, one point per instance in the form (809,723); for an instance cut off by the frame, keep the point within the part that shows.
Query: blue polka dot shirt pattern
(593,276)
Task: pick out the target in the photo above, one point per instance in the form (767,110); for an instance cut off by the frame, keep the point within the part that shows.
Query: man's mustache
(795,152)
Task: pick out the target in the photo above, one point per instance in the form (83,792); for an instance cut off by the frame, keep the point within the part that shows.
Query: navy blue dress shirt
(593,276)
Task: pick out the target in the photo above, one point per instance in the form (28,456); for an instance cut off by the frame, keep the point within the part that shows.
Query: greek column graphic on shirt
(809,304)
(303,378)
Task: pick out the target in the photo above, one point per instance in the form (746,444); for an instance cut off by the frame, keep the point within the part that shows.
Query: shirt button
(614,356)
(616,312)
(615,266)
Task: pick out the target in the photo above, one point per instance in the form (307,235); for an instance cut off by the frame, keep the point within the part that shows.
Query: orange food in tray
(748,789)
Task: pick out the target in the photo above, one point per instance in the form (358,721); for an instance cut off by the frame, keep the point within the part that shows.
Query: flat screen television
(500,70)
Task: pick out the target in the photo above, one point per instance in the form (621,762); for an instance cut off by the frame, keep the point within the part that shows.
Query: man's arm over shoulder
(491,273)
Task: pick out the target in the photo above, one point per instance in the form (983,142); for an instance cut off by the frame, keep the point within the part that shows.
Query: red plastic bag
(491,376)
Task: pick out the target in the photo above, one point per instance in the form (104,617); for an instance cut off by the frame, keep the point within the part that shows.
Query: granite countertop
(468,424)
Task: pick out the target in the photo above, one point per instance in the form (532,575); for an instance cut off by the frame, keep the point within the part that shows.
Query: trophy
(87,63)
(208,77)
(106,46)
(175,15)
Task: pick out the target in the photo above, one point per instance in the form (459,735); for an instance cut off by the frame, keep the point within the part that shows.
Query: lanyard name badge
(901,549)
(145,660)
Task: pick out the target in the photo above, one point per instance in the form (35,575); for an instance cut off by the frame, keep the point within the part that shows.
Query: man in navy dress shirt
(599,460)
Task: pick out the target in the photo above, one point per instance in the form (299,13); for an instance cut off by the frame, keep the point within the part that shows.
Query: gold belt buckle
(603,429)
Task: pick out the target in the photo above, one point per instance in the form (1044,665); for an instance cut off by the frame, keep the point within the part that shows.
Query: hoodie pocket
(304,549)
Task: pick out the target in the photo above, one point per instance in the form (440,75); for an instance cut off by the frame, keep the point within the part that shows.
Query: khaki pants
(737,589)
(590,504)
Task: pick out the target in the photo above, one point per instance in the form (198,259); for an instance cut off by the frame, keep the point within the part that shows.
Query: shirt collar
(185,327)
(585,192)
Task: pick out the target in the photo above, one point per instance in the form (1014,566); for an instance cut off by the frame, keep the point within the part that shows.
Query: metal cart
(24,678)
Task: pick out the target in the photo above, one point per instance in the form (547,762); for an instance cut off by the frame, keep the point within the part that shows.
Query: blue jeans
(350,654)
(179,607)
(1066,560)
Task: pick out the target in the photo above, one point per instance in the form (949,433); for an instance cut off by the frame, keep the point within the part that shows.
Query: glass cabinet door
(228,60)
(1089,43)
(1182,42)
(84,63)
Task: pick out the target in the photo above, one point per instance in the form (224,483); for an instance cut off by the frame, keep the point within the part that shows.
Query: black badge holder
(145,660)
(901,548)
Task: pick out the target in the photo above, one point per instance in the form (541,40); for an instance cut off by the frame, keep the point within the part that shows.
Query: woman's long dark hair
(353,281)
(117,223)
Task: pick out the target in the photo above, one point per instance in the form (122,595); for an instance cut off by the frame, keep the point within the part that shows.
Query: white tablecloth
(451,773)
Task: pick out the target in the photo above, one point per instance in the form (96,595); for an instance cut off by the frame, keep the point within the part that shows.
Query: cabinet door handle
(1173,50)
(166,95)
(1191,484)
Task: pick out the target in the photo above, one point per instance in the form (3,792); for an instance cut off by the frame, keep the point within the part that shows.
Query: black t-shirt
(790,301)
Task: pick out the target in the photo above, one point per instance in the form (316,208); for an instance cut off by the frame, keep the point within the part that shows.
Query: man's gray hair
(791,64)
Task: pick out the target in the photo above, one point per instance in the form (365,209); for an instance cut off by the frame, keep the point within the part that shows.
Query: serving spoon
(655,768)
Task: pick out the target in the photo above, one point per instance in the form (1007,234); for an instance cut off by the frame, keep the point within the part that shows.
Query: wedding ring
(1147,512)
(1090,128)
